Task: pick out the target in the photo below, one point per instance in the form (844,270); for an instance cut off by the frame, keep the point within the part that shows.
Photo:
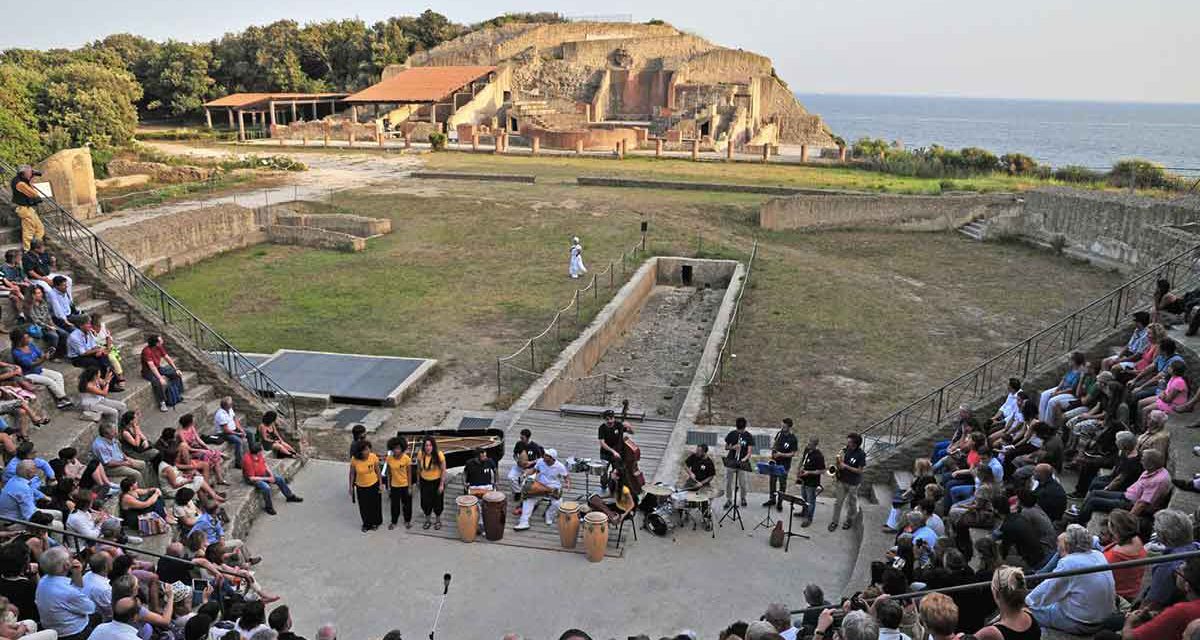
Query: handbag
(151,524)
(34,331)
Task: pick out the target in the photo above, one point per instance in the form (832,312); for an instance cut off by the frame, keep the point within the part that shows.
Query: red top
(152,355)
(1170,623)
(1128,580)
(254,466)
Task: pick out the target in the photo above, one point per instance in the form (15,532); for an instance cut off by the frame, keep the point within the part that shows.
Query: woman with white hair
(1173,530)
(1078,604)
(576,268)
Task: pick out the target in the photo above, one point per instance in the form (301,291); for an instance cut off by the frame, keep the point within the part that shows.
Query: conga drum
(595,535)
(568,523)
(468,517)
(495,504)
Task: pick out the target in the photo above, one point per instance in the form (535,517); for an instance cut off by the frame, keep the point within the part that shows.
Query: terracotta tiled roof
(243,100)
(421,84)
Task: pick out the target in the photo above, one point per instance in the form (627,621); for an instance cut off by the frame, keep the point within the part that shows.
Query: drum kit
(588,468)
(676,507)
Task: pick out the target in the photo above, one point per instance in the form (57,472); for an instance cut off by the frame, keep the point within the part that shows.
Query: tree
(19,141)
(389,45)
(262,59)
(338,52)
(176,80)
(92,103)
(431,29)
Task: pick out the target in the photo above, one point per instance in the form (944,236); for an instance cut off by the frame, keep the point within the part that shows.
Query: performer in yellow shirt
(364,485)
(399,470)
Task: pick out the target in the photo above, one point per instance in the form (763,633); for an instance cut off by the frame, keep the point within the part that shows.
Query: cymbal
(659,490)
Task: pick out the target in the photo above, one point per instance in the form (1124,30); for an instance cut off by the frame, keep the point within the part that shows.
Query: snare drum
(595,468)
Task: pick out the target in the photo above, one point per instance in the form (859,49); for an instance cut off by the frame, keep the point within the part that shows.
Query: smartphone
(198,589)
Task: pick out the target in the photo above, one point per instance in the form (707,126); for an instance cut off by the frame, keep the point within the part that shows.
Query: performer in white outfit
(576,267)
(549,479)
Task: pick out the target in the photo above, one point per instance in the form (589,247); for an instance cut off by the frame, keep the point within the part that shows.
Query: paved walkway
(328,571)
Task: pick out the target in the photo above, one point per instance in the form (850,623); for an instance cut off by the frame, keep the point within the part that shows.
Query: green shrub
(978,160)
(947,185)
(100,160)
(1018,164)
(869,148)
(437,141)
(1142,173)
(277,163)
(1078,175)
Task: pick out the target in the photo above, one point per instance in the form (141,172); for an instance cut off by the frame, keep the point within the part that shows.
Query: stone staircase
(975,230)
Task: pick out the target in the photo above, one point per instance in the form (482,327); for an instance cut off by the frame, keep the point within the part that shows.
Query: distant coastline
(1056,132)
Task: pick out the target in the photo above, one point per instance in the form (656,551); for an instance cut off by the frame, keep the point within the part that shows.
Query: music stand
(770,469)
(792,501)
(733,513)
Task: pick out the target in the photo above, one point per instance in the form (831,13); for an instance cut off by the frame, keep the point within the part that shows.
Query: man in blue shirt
(62,305)
(25,451)
(19,498)
(84,353)
(107,448)
(62,604)
(210,526)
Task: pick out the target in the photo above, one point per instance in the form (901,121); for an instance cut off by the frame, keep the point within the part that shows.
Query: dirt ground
(839,328)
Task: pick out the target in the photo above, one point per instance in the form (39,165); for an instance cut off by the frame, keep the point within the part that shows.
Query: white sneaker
(162,406)
(134,539)
(549,523)
(521,526)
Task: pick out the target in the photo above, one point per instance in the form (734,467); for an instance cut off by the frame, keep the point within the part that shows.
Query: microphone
(445,583)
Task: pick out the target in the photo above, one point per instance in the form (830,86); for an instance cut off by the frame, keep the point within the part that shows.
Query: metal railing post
(499,385)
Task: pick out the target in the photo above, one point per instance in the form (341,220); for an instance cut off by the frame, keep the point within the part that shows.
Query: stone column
(803,153)
(658,147)
(729,150)
(842,153)
(624,147)
(208,117)
(579,146)
(241,124)
(474,141)
(536,145)
(294,116)
(271,106)
(353,113)
(696,149)
(587,113)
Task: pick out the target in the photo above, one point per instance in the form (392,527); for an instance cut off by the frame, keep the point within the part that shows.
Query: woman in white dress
(576,267)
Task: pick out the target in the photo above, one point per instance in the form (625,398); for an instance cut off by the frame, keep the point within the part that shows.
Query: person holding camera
(26,198)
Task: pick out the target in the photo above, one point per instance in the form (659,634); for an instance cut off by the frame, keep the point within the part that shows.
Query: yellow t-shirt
(398,470)
(366,472)
(431,471)
(625,502)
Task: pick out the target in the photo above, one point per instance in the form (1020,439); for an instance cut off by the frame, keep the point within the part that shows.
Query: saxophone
(833,468)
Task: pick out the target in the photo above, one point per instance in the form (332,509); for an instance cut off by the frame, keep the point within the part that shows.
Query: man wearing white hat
(549,479)
(575,267)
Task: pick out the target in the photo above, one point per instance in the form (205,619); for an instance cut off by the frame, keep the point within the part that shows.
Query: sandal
(437,524)
(427,525)
(833,526)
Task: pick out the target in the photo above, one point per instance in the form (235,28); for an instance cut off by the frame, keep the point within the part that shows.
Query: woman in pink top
(197,448)
(1124,544)
(1172,398)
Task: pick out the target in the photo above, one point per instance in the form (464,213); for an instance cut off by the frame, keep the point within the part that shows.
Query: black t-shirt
(701,466)
(534,450)
(173,570)
(814,461)
(1052,498)
(32,261)
(613,435)
(1130,469)
(1017,531)
(18,198)
(744,442)
(480,472)
(785,443)
(857,459)
(20,593)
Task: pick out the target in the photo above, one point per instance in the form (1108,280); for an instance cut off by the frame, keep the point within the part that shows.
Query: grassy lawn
(839,328)
(567,168)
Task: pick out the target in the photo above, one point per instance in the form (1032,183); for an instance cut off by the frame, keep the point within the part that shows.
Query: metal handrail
(68,230)
(988,378)
(1031,578)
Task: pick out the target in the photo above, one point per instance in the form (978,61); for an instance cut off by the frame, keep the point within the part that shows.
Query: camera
(37,174)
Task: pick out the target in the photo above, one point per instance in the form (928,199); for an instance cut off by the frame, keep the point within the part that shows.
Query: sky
(1141,51)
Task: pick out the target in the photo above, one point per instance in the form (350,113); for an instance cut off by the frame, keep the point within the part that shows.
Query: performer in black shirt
(526,452)
(738,446)
(783,447)
(850,465)
(700,469)
(611,437)
(812,467)
(480,473)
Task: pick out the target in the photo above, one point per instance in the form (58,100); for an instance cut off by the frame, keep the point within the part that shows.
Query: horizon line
(865,94)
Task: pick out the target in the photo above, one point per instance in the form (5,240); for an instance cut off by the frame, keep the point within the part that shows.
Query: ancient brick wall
(595,53)
(844,211)
(167,242)
(360,226)
(313,237)
(724,65)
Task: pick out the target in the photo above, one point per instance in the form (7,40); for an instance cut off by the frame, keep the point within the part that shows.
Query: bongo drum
(468,517)
(568,523)
(495,504)
(595,535)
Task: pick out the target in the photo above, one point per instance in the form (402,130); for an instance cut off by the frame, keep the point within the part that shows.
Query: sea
(1091,134)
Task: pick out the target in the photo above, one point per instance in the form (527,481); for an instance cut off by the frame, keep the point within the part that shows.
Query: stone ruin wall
(723,66)
(650,51)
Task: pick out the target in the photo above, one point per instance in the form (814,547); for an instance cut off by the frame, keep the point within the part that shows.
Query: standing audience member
(25,199)
(364,485)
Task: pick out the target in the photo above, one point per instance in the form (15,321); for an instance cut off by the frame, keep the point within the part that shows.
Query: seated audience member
(890,615)
(1139,342)
(258,473)
(41,324)
(252,620)
(104,338)
(1168,624)
(1174,532)
(158,368)
(778,616)
(62,304)
(171,568)
(212,533)
(813,597)
(973,606)
(1068,388)
(272,440)
(13,280)
(281,621)
(912,495)
(1022,531)
(41,267)
(27,451)
(963,427)
(1124,543)
(63,606)
(85,520)
(976,510)
(19,499)
(94,395)
(856,625)
(31,360)
(939,616)
(1050,494)
(1010,411)
(1169,309)
(1078,604)
(199,451)
(97,585)
(1127,468)
(229,428)
(1018,427)
(1087,428)
(1051,452)
(1139,499)
(134,441)
(135,502)
(173,479)
(84,353)
(1015,623)
(1153,379)
(1088,391)
(1170,397)
(107,447)
(18,580)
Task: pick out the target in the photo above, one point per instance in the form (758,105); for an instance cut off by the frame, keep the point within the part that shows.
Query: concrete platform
(328,571)
(344,377)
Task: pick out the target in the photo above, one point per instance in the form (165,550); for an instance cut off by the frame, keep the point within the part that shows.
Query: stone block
(70,175)
(313,237)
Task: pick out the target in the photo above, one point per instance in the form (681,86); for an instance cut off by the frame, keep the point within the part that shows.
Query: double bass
(630,455)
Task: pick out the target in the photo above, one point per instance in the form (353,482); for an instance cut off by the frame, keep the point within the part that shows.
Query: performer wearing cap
(612,441)
(25,198)
(549,479)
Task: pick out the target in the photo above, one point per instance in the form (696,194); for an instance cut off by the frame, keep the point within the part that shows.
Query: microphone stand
(445,590)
